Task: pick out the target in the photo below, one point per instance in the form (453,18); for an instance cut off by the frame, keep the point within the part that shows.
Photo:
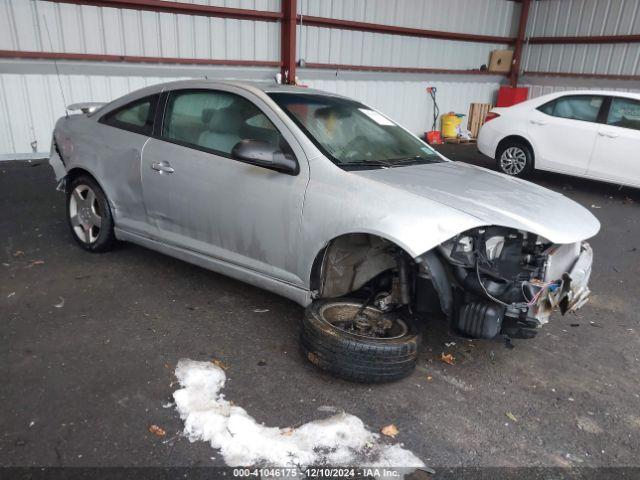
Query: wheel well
(516,139)
(360,263)
(349,261)
(76,172)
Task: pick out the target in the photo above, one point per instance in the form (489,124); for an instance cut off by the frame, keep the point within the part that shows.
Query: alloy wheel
(513,160)
(84,213)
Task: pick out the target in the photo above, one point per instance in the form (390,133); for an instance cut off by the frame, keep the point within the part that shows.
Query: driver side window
(215,121)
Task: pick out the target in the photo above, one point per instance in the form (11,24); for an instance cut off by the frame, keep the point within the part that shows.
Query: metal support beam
(517,54)
(593,39)
(91,57)
(288,41)
(373,68)
(180,8)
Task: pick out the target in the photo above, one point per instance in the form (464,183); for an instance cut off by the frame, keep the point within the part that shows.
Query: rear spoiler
(85,107)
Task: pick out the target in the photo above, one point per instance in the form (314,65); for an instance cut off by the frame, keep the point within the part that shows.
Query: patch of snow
(339,440)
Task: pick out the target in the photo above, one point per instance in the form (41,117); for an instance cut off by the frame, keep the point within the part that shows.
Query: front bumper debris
(57,163)
(567,293)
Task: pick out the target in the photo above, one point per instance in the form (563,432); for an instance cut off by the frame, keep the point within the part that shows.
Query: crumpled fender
(56,161)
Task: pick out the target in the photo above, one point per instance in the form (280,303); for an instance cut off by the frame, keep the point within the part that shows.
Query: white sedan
(591,134)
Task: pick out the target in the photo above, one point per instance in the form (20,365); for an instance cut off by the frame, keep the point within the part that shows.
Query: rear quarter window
(574,107)
(136,116)
(624,113)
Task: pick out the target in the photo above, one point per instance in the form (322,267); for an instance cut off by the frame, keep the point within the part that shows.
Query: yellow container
(449,123)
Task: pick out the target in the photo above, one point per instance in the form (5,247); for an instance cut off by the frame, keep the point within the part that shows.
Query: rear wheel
(89,215)
(514,158)
(358,344)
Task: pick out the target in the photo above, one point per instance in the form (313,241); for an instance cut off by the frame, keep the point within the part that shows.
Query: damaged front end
(486,281)
(509,281)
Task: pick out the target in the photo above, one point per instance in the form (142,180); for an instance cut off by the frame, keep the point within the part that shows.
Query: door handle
(608,134)
(162,167)
(537,122)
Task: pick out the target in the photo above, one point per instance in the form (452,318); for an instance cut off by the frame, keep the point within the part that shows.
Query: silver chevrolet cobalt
(328,202)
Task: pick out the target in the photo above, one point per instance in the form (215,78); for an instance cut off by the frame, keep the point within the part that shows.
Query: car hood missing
(493,198)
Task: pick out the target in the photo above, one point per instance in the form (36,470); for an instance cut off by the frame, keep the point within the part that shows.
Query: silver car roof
(267,87)
(253,87)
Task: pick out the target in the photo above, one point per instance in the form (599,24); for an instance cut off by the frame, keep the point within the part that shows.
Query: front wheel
(89,215)
(515,159)
(358,344)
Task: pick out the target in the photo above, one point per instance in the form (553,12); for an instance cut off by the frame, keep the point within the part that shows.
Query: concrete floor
(82,383)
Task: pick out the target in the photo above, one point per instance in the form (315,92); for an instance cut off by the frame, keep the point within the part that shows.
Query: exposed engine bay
(511,281)
(487,281)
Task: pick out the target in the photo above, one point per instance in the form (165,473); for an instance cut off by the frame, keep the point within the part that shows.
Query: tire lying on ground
(330,341)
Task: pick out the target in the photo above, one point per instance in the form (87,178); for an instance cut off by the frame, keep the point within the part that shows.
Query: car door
(203,199)
(563,132)
(124,132)
(616,156)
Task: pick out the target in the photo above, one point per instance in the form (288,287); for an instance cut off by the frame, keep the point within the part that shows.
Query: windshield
(351,134)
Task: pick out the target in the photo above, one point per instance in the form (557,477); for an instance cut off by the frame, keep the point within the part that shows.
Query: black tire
(509,155)
(355,357)
(82,212)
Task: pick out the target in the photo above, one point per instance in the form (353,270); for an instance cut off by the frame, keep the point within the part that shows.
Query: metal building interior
(93,347)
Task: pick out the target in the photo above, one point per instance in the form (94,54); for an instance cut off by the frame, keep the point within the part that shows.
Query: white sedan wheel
(513,160)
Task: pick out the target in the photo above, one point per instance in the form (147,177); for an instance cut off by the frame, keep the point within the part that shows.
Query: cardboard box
(500,61)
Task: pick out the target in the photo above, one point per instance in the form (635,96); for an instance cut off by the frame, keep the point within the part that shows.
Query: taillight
(491,116)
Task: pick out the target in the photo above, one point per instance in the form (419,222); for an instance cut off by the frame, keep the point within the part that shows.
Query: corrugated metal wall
(30,99)
(408,102)
(485,17)
(30,104)
(564,18)
(323,45)
(113,31)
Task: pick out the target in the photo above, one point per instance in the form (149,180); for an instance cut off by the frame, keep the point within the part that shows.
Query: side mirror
(264,154)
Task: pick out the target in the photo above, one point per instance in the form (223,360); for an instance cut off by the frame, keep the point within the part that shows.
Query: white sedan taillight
(491,116)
